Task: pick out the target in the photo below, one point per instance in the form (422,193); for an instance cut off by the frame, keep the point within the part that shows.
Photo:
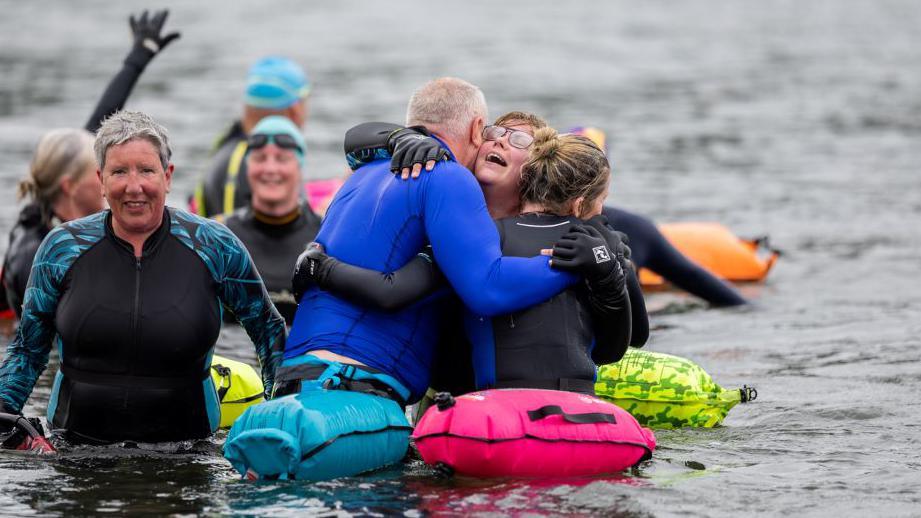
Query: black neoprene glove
(583,250)
(411,146)
(617,241)
(312,268)
(148,40)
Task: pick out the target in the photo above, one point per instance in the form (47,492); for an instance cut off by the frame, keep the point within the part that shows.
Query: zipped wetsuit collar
(151,244)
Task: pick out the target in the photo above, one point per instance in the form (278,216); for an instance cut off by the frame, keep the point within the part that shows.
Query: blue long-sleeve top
(380,222)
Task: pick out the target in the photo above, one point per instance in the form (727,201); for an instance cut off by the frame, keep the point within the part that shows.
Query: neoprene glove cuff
(413,145)
(608,293)
(312,267)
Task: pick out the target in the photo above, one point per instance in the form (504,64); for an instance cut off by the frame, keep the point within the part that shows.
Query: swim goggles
(281,140)
(516,138)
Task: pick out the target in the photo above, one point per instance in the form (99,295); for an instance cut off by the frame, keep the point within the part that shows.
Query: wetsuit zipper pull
(137,297)
(511,321)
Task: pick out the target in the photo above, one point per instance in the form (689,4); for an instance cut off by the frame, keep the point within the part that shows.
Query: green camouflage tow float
(665,391)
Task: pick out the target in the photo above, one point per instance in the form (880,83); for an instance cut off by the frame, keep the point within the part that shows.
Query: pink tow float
(531,433)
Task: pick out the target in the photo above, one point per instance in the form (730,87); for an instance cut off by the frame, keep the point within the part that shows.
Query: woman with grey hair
(62,183)
(134,294)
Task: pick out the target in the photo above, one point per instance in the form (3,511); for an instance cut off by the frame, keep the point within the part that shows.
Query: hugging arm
(387,291)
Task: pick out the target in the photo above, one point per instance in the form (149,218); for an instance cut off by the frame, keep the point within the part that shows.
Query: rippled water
(797,119)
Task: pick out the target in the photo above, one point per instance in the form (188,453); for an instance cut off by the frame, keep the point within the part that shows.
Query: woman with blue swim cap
(275,85)
(278,223)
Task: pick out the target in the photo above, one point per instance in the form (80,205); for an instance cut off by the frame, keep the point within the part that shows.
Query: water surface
(801,120)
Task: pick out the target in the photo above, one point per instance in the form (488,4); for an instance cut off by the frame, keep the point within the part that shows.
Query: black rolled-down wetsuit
(652,250)
(274,244)
(555,344)
(31,228)
(135,335)
(34,222)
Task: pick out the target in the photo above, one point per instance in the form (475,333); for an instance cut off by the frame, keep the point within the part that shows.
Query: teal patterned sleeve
(27,355)
(240,287)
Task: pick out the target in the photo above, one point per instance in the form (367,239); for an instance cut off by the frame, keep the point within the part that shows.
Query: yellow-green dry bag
(665,391)
(238,386)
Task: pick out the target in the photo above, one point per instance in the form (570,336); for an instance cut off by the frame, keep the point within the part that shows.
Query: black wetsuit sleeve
(367,142)
(119,88)
(387,291)
(611,321)
(668,262)
(640,318)
(652,250)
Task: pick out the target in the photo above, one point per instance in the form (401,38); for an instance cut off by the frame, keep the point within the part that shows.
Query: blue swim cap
(274,83)
(278,125)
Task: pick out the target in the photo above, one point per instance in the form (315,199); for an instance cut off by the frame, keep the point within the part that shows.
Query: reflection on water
(794,119)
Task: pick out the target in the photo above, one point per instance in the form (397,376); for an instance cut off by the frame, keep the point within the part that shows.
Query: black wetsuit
(555,344)
(274,244)
(224,188)
(34,223)
(135,335)
(652,250)
(29,231)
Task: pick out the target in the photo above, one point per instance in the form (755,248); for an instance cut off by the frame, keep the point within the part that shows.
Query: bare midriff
(326,355)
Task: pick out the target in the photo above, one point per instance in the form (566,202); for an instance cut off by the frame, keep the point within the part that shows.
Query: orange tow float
(716,249)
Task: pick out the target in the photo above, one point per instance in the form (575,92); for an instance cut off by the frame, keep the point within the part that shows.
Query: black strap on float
(306,372)
(224,373)
(566,384)
(589,418)
(748,393)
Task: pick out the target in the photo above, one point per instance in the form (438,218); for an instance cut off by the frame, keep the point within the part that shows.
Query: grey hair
(124,126)
(447,105)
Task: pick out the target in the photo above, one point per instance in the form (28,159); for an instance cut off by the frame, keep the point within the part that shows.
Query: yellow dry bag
(238,386)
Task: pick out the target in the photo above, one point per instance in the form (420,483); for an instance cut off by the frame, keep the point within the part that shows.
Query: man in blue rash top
(380,222)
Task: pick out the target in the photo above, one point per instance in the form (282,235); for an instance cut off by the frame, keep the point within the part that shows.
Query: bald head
(453,109)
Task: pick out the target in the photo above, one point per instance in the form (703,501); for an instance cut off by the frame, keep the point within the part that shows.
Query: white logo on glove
(601,254)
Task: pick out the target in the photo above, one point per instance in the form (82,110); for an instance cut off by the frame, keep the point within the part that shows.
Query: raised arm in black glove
(147,43)
(387,291)
(411,148)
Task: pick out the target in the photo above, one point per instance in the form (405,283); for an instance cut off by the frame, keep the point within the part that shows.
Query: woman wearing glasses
(278,223)
(543,186)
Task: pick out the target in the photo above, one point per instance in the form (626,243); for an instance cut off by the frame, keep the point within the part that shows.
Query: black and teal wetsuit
(135,335)
(274,244)
(34,222)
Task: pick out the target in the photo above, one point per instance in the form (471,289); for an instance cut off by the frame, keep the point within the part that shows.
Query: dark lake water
(801,120)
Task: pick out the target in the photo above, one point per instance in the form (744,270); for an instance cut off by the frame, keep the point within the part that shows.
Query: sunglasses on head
(516,138)
(281,140)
